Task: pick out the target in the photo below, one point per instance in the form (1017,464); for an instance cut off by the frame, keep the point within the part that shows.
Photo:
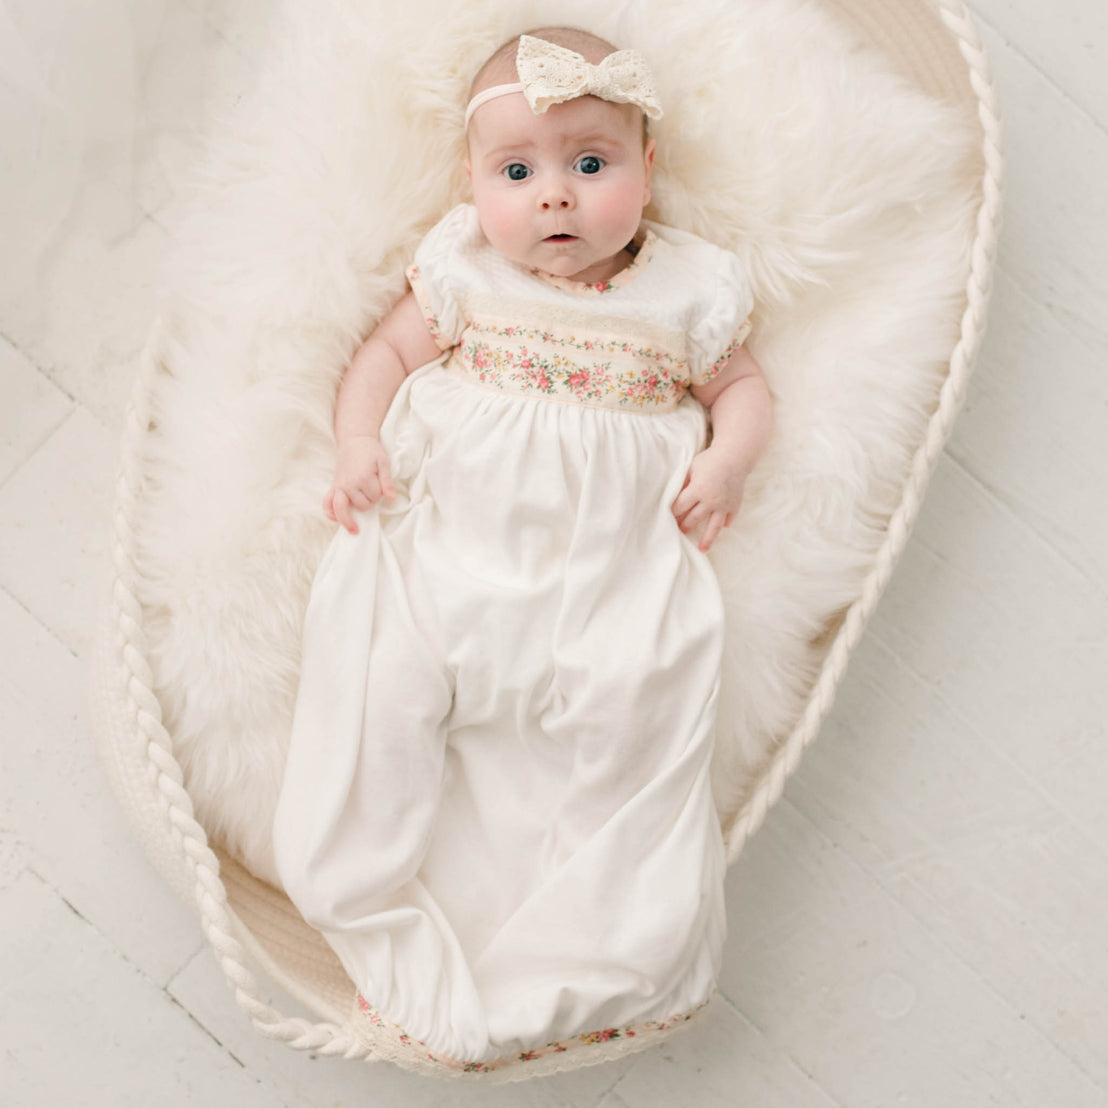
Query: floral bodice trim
(396,1036)
(601,372)
(618,280)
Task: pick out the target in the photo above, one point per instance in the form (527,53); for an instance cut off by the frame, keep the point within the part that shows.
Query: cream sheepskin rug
(847,193)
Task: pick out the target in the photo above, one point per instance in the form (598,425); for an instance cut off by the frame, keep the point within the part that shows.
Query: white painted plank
(1035,424)
(719,1061)
(84,316)
(15,856)
(992,867)
(54,550)
(303,1080)
(1054,242)
(1067,40)
(57,814)
(31,406)
(1037,411)
(1012,636)
(197,63)
(245,24)
(827,965)
(81,1025)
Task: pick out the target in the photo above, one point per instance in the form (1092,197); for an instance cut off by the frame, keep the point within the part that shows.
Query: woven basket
(933,43)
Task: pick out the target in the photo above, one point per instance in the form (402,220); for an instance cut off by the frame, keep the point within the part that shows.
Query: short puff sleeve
(431,276)
(724,326)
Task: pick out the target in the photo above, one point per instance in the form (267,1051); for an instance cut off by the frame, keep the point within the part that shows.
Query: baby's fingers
(343,513)
(693,518)
(686,500)
(716,522)
(384,476)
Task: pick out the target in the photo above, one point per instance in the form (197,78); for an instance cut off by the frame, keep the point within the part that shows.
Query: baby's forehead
(509,121)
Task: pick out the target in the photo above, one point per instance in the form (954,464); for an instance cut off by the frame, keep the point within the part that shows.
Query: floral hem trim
(397,1037)
(424,302)
(595,288)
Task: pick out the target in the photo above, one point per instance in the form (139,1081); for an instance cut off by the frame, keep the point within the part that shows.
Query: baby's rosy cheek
(622,204)
(498,221)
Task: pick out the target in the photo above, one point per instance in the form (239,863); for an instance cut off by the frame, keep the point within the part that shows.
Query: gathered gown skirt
(497,805)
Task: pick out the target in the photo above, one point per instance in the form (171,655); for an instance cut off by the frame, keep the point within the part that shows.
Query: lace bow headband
(551,74)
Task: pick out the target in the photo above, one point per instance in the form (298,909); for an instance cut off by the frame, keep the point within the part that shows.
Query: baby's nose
(557,195)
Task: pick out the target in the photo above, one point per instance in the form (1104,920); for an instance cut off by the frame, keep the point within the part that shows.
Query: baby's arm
(741,412)
(400,343)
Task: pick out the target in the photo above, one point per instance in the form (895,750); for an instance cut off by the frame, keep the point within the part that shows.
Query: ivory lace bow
(551,74)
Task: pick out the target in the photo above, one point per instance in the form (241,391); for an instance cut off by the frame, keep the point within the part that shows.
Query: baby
(497,805)
(561,192)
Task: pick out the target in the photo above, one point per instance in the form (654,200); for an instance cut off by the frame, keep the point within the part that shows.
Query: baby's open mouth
(560,238)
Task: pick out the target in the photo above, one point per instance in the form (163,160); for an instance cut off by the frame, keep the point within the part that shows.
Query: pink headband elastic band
(489,94)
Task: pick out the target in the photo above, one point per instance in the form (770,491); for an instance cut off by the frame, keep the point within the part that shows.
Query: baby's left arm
(741,413)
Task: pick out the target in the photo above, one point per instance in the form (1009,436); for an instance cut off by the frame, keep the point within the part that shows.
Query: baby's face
(562,191)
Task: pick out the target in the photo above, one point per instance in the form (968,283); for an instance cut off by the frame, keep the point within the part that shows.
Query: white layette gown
(497,805)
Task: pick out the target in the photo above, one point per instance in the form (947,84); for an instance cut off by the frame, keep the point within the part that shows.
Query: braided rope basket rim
(131,705)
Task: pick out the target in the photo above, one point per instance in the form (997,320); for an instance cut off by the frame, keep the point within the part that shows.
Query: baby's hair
(500,67)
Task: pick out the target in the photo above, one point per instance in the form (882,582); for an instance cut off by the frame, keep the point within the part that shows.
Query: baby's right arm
(400,343)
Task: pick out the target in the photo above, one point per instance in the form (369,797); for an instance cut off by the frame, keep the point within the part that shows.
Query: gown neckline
(644,243)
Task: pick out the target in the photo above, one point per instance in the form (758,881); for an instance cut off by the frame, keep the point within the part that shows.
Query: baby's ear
(648,162)
(469,170)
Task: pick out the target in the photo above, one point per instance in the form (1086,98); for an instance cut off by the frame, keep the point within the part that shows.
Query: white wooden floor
(921,921)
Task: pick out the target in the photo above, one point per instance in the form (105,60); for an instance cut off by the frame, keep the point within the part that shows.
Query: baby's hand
(712,492)
(362,477)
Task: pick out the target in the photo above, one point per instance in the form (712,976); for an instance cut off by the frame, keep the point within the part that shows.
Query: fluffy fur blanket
(846,192)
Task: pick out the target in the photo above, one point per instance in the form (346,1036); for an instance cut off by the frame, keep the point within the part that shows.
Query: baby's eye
(590,163)
(517,171)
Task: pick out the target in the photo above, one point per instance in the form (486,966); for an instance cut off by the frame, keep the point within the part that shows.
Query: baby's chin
(565,258)
(573,266)
(560,265)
